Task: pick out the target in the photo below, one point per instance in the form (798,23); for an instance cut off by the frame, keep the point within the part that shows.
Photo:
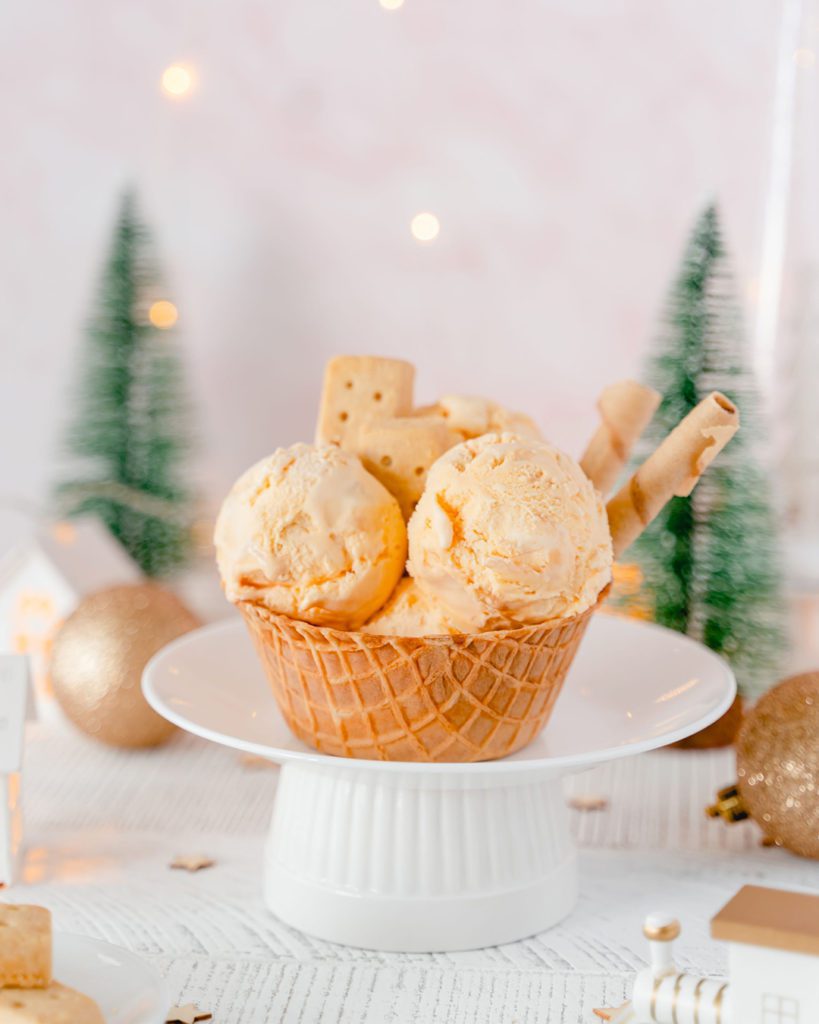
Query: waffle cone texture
(473,697)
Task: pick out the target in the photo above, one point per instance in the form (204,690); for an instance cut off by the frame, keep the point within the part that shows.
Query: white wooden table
(102,826)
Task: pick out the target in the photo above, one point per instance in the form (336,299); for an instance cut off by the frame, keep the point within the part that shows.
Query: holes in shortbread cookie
(386,460)
(419,470)
(348,384)
(343,416)
(377,396)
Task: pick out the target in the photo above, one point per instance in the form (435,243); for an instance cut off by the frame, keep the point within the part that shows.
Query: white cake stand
(432,857)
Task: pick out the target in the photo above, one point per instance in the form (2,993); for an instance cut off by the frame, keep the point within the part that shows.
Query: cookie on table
(56,1004)
(25,946)
(358,388)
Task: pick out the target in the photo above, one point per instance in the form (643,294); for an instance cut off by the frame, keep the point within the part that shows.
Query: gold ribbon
(697,995)
(718,1003)
(675,995)
(654,991)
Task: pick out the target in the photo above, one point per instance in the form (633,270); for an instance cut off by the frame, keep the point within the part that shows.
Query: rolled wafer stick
(625,411)
(673,469)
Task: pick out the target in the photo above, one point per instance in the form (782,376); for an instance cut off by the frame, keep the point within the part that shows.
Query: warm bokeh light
(64,533)
(391,5)
(425,227)
(163,314)
(804,58)
(177,81)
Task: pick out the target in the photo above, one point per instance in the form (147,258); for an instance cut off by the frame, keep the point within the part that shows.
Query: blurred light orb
(804,58)
(64,533)
(177,80)
(391,5)
(163,314)
(425,227)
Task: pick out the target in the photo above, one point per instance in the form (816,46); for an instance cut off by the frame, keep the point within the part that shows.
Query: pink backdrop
(565,147)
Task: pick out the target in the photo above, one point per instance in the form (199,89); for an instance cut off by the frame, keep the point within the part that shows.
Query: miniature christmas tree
(711,561)
(130,438)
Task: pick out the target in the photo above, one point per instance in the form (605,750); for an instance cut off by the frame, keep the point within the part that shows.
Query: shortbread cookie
(357,388)
(56,1004)
(25,946)
(399,451)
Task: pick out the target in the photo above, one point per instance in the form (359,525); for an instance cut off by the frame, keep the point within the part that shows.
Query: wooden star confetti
(193,862)
(187,1014)
(255,761)
(621,1015)
(588,802)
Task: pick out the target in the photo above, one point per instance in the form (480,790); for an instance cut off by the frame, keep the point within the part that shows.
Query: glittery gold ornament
(98,658)
(778,767)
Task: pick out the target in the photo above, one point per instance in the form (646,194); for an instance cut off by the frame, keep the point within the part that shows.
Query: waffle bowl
(442,699)
(470,697)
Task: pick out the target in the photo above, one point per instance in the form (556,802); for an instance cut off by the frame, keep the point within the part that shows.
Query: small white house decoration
(42,581)
(773,955)
(773,959)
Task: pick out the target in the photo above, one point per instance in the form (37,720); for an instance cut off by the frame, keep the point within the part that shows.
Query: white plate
(634,686)
(126,988)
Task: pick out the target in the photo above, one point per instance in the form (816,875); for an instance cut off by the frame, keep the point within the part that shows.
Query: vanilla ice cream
(470,416)
(309,533)
(509,531)
(410,611)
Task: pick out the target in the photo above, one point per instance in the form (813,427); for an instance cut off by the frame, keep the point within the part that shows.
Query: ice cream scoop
(309,533)
(509,531)
(470,416)
(410,611)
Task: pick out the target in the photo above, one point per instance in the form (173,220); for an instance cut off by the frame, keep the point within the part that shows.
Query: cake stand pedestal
(435,857)
(419,861)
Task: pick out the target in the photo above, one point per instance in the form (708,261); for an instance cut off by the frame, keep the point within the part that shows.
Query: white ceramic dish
(127,989)
(633,687)
(421,857)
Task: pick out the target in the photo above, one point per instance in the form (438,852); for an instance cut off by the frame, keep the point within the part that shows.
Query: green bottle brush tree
(130,438)
(710,562)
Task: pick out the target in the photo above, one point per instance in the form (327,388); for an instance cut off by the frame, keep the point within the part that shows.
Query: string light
(177,81)
(425,227)
(163,314)
(391,5)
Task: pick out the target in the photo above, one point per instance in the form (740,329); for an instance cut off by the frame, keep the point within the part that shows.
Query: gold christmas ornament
(778,767)
(98,658)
